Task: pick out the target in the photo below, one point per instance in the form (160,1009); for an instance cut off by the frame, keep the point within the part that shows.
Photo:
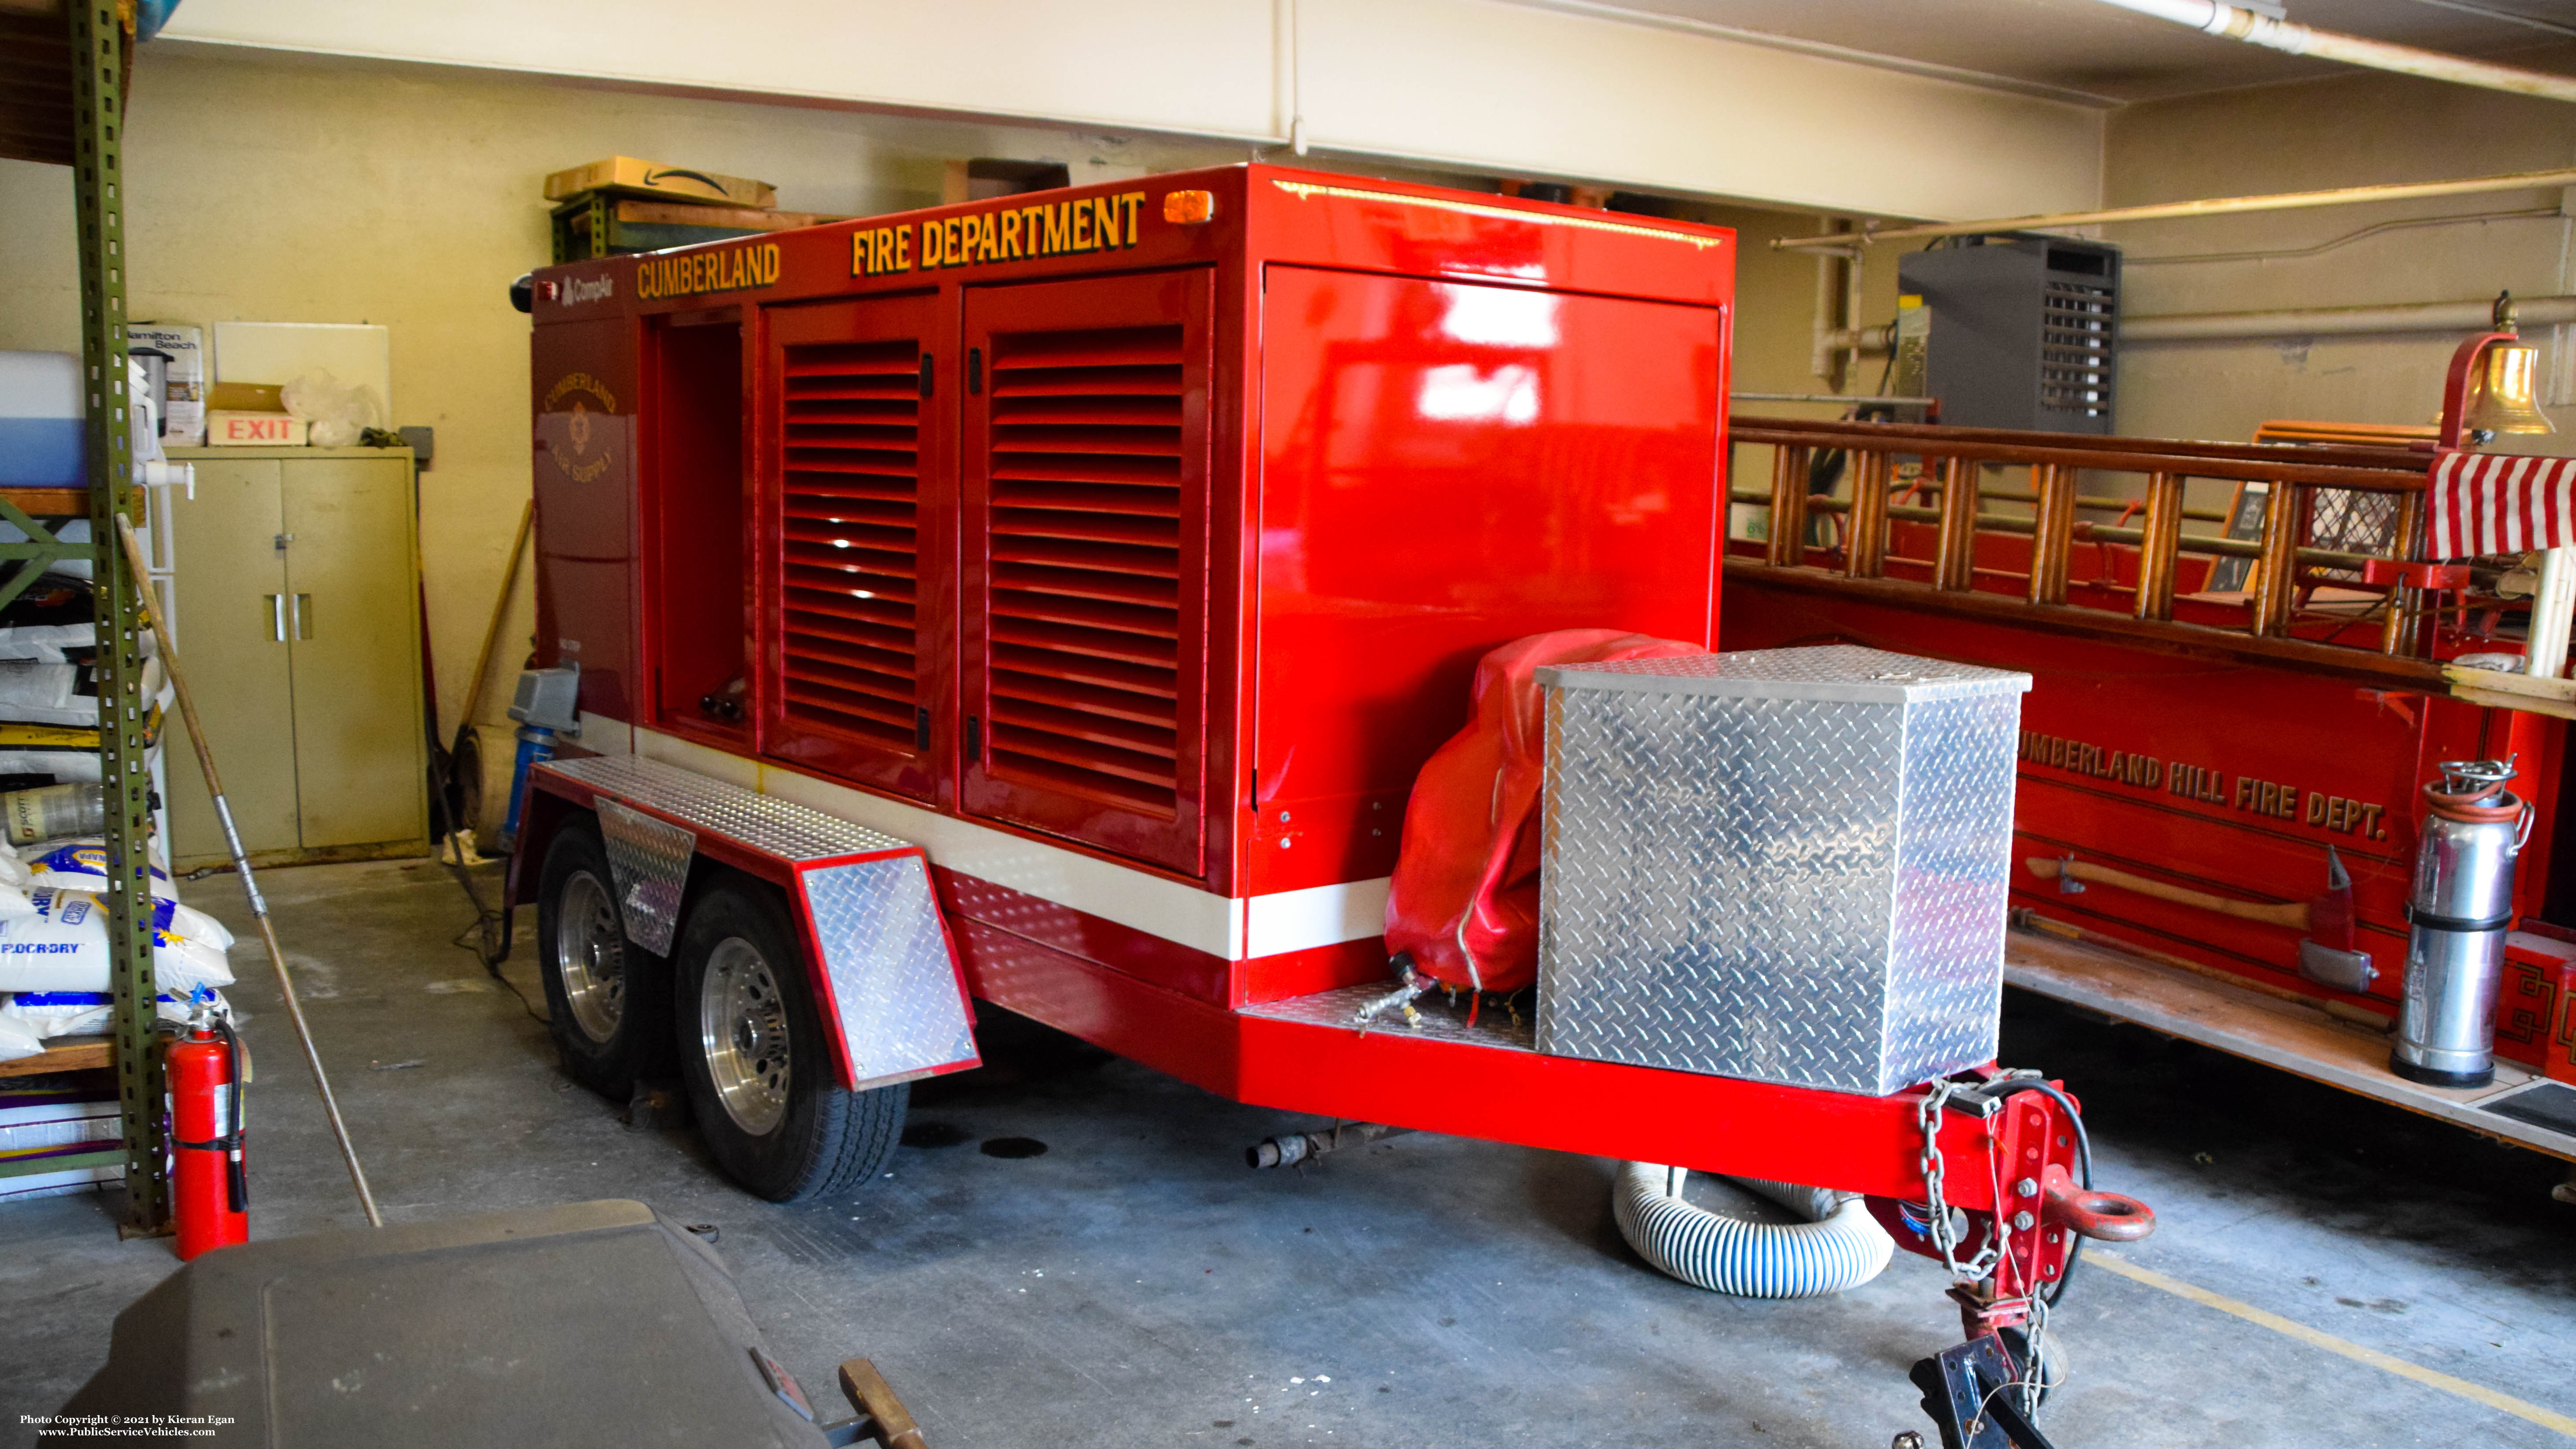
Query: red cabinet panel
(1446,467)
(852,462)
(1085,559)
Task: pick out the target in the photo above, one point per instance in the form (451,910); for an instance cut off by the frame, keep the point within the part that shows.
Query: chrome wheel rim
(590,956)
(742,1030)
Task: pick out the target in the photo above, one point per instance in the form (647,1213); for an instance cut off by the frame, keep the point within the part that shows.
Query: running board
(2520,1106)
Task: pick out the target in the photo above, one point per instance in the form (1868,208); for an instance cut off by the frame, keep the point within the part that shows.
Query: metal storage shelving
(94,57)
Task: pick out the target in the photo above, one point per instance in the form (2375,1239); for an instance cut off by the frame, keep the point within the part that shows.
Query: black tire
(784,1129)
(607,999)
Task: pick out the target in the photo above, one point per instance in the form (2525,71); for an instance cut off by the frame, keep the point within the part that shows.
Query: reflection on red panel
(1448,466)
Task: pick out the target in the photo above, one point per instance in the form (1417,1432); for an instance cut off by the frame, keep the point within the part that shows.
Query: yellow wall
(307,190)
(321,191)
(2361,129)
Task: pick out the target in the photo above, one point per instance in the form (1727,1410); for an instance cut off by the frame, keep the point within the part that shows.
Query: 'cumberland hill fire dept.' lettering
(2208,786)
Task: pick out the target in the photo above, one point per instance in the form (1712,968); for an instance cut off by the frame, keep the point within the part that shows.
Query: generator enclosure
(1128,548)
(1786,864)
(2023,331)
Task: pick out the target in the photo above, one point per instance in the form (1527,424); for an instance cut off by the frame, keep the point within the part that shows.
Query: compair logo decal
(586,451)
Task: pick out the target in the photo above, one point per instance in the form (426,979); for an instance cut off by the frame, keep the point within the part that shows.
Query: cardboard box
(253,430)
(653,178)
(174,356)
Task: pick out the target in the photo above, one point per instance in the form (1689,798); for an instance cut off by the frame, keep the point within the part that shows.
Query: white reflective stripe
(1229,929)
(1325,915)
(604,736)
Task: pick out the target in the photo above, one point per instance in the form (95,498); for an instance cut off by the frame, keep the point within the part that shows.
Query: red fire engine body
(2188,757)
(1127,549)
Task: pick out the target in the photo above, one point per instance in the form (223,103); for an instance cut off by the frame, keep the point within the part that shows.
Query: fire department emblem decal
(569,405)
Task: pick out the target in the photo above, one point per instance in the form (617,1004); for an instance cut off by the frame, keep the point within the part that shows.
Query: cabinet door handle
(302,611)
(276,616)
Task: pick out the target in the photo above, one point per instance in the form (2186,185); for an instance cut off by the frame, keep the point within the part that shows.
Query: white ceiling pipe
(2234,23)
(2295,322)
(2345,321)
(2182,210)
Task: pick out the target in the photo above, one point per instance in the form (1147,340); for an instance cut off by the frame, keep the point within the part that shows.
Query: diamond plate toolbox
(1788,865)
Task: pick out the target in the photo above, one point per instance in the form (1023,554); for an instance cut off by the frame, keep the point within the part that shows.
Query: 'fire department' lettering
(690,273)
(1046,229)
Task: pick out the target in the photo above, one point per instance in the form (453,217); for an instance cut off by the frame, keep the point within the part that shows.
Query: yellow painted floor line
(2480,1393)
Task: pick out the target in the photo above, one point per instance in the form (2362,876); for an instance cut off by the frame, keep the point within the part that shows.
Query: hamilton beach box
(1788,865)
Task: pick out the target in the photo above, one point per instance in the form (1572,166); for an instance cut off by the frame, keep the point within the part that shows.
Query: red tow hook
(2107,1217)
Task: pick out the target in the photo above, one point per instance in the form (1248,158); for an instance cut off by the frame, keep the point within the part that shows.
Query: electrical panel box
(2017,331)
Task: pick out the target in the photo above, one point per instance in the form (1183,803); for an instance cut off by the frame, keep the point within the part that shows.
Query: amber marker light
(1189,208)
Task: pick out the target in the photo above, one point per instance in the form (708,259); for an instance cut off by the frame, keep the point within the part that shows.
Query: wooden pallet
(65,1054)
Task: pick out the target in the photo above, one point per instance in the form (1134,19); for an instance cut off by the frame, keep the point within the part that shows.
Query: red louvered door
(855,674)
(1085,473)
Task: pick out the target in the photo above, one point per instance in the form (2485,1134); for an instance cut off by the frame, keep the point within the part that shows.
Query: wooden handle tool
(2290,914)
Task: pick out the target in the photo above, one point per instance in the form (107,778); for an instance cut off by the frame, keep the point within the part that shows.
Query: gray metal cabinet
(298,616)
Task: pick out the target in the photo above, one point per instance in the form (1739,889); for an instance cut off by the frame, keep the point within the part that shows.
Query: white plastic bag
(335,413)
(54,940)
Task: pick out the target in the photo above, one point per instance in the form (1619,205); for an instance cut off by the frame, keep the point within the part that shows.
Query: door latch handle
(276,616)
(301,610)
(283,540)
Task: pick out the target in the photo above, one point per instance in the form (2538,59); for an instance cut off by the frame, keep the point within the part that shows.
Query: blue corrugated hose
(1840,1246)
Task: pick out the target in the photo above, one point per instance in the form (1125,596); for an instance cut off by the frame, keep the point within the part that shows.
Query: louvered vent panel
(2075,348)
(1084,541)
(849,442)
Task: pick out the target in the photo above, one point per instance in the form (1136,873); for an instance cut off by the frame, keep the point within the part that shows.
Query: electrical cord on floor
(489,937)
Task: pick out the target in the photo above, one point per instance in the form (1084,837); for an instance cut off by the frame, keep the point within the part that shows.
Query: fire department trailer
(1051,600)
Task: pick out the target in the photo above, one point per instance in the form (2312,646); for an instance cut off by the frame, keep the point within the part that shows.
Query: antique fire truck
(1049,602)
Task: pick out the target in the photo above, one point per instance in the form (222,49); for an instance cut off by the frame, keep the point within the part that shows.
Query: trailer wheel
(605,995)
(758,1065)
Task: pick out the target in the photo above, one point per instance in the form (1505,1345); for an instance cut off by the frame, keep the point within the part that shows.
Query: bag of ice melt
(82,1013)
(17,1041)
(81,865)
(55,940)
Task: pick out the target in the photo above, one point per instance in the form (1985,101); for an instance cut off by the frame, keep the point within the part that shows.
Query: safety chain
(1944,1233)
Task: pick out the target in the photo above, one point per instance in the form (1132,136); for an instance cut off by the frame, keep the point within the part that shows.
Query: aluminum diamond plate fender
(885,974)
(894,984)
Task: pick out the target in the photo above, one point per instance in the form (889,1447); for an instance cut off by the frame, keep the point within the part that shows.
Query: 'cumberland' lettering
(690,273)
(1048,229)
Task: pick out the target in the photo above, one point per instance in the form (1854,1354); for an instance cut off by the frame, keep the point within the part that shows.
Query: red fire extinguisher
(210,1186)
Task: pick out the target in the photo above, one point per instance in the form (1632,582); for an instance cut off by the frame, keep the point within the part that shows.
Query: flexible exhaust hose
(1840,1246)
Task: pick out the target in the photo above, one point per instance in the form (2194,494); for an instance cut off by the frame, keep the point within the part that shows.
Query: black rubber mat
(2549,1105)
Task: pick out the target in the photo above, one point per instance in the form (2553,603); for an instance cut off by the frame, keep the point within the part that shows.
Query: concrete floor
(1137,1285)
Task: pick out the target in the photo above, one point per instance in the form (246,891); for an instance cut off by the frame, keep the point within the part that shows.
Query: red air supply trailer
(1111,559)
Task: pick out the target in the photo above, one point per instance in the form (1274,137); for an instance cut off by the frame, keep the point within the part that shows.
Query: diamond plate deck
(1804,887)
(649,861)
(1440,1020)
(791,832)
(894,983)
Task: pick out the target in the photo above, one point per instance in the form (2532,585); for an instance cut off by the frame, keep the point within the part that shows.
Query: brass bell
(2503,393)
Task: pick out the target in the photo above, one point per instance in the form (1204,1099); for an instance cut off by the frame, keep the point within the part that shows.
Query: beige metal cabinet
(298,616)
